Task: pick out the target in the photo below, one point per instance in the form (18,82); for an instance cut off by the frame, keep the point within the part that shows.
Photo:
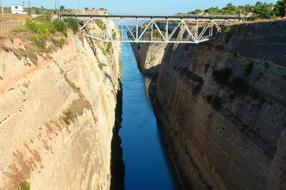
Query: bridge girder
(155,29)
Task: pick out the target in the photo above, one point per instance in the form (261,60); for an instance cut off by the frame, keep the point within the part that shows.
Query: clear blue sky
(154,7)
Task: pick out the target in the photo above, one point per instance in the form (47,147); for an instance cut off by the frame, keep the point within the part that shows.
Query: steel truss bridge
(154,29)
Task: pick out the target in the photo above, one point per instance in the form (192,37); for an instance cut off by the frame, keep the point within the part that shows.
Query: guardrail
(10,25)
(159,17)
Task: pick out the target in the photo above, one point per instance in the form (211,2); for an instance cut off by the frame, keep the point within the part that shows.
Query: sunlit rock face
(221,106)
(57,115)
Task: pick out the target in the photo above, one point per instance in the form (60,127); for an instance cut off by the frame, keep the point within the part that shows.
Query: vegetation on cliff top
(259,10)
(40,35)
(44,30)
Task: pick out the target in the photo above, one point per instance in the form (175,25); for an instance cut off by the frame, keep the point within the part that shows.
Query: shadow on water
(139,160)
(117,165)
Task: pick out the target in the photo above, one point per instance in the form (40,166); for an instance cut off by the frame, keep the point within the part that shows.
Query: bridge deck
(215,17)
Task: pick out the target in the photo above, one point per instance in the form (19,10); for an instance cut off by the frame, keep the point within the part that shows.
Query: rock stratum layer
(57,115)
(221,107)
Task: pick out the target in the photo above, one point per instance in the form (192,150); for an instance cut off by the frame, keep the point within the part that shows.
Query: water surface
(146,167)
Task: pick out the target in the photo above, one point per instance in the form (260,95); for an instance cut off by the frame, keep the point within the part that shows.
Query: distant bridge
(155,29)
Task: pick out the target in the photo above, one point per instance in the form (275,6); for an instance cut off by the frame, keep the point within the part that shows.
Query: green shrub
(108,47)
(102,9)
(68,117)
(37,27)
(25,185)
(73,24)
(228,29)
(101,65)
(46,27)
(59,43)
(222,76)
(156,34)
(44,30)
(51,28)
(100,24)
(60,26)
(40,40)
(114,36)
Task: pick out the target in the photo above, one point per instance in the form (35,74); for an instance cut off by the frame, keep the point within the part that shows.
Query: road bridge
(155,29)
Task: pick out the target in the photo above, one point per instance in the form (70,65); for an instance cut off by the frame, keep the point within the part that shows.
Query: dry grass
(9,16)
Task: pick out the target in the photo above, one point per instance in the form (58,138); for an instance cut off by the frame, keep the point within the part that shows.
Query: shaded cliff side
(57,114)
(149,58)
(221,108)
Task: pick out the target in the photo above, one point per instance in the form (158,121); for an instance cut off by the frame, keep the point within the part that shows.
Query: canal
(146,166)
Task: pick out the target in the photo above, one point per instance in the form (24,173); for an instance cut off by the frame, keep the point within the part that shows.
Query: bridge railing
(10,25)
(179,17)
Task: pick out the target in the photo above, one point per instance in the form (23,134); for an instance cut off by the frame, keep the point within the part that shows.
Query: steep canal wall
(221,106)
(57,113)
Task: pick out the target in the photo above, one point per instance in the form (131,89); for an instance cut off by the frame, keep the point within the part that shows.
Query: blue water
(146,167)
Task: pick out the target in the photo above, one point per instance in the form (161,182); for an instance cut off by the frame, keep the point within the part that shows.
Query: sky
(154,7)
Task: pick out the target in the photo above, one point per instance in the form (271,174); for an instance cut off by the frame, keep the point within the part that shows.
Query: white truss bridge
(155,29)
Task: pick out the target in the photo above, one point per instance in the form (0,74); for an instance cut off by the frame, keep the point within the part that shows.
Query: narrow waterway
(146,167)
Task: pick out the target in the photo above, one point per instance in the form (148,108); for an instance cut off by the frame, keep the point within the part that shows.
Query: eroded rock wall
(221,108)
(57,116)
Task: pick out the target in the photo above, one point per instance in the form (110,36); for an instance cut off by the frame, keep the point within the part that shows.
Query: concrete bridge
(156,29)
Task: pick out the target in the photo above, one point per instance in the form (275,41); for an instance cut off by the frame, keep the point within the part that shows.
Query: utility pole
(29,8)
(55,6)
(1,7)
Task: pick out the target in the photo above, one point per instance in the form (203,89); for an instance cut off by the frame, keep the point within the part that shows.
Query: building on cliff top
(18,9)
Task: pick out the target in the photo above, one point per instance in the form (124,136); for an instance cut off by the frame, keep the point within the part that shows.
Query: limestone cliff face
(57,116)
(149,57)
(222,109)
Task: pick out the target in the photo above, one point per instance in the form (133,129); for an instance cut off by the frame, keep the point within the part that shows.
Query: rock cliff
(221,108)
(58,114)
(149,57)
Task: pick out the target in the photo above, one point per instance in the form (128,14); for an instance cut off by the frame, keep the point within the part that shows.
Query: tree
(262,10)
(280,8)
(213,10)
(62,8)
(230,9)
(195,12)
(246,8)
